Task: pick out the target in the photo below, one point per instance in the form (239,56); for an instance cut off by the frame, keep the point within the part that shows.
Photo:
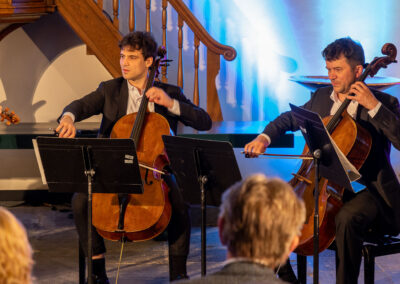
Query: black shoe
(99,279)
(178,277)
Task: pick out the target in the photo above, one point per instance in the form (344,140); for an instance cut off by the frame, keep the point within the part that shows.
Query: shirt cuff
(266,137)
(70,114)
(375,110)
(175,109)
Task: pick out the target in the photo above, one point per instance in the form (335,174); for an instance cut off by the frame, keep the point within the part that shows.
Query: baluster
(148,4)
(164,38)
(213,105)
(131,15)
(115,13)
(196,71)
(100,4)
(180,59)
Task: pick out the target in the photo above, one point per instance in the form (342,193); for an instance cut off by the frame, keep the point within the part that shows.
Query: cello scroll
(377,63)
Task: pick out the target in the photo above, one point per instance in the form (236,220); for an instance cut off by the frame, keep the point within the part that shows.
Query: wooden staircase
(102,34)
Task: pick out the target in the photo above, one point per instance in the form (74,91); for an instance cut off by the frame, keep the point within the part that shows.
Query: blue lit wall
(277,39)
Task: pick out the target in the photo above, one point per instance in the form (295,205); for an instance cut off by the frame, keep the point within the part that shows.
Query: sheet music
(339,169)
(351,171)
(39,161)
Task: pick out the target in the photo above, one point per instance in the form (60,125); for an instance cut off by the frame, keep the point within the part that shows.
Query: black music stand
(204,169)
(329,162)
(89,165)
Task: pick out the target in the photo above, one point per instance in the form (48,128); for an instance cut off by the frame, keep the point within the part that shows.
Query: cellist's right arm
(272,131)
(66,128)
(257,146)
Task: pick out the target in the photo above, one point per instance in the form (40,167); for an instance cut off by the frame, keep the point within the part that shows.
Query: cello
(355,143)
(138,217)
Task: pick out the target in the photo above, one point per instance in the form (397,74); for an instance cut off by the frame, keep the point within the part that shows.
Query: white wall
(43,67)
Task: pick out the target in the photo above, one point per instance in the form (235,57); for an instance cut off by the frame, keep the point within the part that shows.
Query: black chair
(372,248)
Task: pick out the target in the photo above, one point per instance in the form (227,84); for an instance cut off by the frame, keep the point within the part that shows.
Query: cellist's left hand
(159,97)
(363,95)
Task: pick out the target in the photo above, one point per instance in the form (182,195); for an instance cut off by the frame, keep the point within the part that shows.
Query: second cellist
(116,98)
(378,206)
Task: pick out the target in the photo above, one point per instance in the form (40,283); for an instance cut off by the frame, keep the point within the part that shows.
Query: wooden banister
(100,4)
(148,6)
(214,50)
(196,99)
(180,56)
(115,13)
(164,6)
(228,52)
(132,15)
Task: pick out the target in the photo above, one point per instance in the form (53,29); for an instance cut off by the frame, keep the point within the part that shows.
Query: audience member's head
(261,219)
(15,251)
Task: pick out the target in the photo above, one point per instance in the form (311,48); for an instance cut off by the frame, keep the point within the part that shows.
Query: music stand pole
(200,168)
(317,156)
(89,172)
(202,180)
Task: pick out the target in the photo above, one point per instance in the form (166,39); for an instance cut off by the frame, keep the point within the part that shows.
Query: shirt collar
(132,88)
(334,97)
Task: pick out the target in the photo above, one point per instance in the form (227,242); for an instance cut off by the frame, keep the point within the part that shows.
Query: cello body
(138,217)
(355,143)
(147,214)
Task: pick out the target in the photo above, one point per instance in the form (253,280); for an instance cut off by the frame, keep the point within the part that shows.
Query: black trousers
(178,228)
(360,217)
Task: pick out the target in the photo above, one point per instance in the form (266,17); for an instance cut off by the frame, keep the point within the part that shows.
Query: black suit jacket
(111,100)
(238,272)
(377,172)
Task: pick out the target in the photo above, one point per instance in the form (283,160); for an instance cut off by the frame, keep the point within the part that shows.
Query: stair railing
(214,49)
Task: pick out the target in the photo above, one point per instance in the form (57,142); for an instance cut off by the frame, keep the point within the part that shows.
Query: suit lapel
(326,108)
(325,105)
(123,99)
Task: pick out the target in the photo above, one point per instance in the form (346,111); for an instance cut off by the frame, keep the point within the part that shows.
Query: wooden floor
(54,240)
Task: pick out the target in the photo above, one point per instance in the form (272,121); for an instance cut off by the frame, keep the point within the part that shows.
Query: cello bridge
(301,178)
(332,192)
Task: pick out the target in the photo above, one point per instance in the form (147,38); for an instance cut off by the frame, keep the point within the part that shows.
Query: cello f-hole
(146,178)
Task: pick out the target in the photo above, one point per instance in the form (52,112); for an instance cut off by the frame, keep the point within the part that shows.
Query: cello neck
(141,114)
(139,121)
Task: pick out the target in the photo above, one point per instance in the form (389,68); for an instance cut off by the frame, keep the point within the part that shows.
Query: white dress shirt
(351,109)
(134,100)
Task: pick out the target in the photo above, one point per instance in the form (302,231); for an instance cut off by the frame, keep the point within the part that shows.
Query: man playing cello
(377,207)
(116,98)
